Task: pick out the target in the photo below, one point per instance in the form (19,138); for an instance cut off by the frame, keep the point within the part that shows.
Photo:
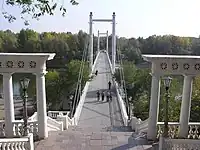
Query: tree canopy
(36,8)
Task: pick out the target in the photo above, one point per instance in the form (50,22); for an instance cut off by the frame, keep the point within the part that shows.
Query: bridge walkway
(101,115)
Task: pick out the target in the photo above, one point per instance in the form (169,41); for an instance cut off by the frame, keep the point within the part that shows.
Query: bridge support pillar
(113,43)
(107,41)
(98,42)
(91,41)
(154,107)
(8,103)
(185,106)
(41,105)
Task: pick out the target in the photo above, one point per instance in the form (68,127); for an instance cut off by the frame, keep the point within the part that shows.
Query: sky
(134,18)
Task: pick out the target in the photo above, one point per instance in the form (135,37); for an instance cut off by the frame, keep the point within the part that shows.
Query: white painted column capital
(41,105)
(154,107)
(8,103)
(185,105)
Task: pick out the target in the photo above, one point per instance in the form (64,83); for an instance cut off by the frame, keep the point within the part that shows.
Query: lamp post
(24,85)
(167,82)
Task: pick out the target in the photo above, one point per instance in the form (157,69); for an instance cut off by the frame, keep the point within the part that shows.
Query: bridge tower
(98,40)
(91,20)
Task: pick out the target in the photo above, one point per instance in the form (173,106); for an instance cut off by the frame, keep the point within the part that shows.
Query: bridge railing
(121,105)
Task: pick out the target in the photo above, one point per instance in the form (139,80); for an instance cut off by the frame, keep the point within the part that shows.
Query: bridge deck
(101,115)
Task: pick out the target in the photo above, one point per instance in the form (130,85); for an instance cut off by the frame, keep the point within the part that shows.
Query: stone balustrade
(178,144)
(54,114)
(55,123)
(193,131)
(18,128)
(141,126)
(24,143)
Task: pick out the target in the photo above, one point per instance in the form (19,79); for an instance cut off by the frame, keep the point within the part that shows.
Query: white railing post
(30,143)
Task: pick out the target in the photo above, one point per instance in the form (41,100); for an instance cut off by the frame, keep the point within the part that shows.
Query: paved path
(101,114)
(78,139)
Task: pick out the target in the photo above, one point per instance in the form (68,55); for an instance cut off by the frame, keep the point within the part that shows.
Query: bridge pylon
(91,20)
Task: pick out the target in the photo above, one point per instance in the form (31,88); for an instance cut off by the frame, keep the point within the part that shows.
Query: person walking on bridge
(98,95)
(107,96)
(102,96)
(109,85)
(96,73)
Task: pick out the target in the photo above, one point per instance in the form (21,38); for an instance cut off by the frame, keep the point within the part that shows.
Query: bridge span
(102,115)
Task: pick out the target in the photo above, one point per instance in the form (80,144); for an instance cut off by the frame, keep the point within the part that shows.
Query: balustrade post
(185,106)
(8,104)
(41,105)
(154,107)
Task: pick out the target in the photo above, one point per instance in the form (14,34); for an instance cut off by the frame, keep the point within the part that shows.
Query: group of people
(102,94)
(108,94)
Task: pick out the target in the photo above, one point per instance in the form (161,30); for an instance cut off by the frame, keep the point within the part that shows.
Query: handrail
(33,117)
(142,126)
(55,123)
(122,106)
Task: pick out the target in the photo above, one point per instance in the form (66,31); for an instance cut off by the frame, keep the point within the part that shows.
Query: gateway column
(185,106)
(41,105)
(8,103)
(154,107)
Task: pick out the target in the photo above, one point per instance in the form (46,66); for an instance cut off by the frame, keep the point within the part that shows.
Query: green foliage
(61,85)
(36,8)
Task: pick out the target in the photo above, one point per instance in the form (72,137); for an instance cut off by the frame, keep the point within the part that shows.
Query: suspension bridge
(103,124)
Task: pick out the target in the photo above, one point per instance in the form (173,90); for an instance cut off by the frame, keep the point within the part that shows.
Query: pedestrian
(102,96)
(109,85)
(98,95)
(96,73)
(107,96)
(110,97)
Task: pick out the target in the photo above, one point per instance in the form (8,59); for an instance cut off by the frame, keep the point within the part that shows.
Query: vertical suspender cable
(123,81)
(79,77)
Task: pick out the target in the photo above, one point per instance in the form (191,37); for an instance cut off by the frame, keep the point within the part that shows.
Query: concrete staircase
(89,138)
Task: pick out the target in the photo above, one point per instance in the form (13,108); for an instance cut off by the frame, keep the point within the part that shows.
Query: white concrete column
(154,107)
(91,41)
(98,42)
(107,41)
(113,43)
(8,103)
(41,105)
(185,106)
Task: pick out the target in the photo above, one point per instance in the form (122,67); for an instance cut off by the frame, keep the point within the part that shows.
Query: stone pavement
(80,139)
(101,114)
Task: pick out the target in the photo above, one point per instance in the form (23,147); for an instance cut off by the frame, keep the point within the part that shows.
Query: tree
(35,9)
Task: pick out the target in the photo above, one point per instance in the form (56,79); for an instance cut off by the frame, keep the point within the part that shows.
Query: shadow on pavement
(93,94)
(132,144)
(96,111)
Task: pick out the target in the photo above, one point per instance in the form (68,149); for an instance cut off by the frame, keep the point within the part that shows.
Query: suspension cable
(77,93)
(123,81)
